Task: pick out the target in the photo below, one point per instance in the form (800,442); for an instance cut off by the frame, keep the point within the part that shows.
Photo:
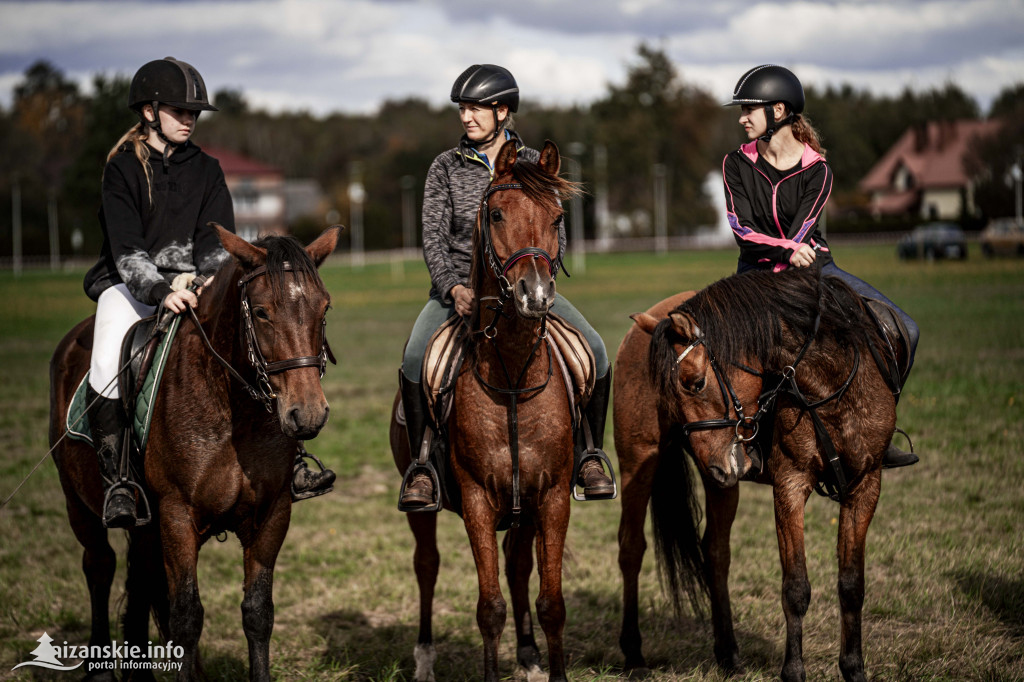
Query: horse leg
(854,518)
(426,561)
(185,622)
(99,561)
(637,470)
(518,547)
(790,495)
(259,549)
(553,522)
(490,606)
(143,587)
(720,512)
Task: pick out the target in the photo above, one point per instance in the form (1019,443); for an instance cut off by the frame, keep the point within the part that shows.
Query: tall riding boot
(108,424)
(596,484)
(418,491)
(308,482)
(894,457)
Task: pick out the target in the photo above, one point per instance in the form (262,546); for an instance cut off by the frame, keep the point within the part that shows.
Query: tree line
(55,139)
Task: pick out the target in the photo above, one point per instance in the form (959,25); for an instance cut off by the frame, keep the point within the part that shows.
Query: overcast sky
(351,55)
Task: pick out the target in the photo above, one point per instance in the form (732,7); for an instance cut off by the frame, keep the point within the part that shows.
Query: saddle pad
(441,363)
(78,419)
(576,353)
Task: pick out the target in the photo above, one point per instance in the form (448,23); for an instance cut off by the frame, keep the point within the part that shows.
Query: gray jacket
(451,199)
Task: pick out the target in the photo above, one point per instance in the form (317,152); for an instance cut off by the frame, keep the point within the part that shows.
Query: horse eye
(496,215)
(699,385)
(558,221)
(261,314)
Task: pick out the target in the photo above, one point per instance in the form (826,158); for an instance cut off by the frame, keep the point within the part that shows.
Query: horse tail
(676,517)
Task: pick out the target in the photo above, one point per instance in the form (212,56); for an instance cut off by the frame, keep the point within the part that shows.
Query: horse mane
(282,249)
(756,316)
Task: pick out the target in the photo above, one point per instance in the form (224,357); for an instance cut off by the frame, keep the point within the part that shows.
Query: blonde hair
(804,132)
(136,137)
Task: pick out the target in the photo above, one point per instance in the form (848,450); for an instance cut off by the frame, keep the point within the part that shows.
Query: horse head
(716,405)
(518,228)
(283,317)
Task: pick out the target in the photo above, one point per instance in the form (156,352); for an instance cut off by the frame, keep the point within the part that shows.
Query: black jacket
(147,245)
(771,216)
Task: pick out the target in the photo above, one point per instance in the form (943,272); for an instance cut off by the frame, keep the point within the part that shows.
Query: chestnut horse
(219,454)
(794,356)
(510,430)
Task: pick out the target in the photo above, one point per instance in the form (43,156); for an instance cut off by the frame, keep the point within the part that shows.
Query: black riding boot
(418,490)
(596,484)
(894,457)
(108,423)
(307,482)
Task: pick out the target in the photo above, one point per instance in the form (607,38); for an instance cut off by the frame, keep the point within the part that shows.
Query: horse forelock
(282,250)
(541,187)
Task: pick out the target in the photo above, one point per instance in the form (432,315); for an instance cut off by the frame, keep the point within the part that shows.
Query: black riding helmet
(167,81)
(767,84)
(487,84)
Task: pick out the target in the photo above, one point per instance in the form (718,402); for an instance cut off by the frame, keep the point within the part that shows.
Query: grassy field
(945,580)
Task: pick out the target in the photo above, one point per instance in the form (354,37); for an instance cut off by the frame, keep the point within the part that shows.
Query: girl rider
(487,96)
(776,186)
(159,192)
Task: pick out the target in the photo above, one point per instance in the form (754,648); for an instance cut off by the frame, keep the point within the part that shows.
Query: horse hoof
(641,672)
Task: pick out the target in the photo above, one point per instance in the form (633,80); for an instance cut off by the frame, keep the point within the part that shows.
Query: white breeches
(116,311)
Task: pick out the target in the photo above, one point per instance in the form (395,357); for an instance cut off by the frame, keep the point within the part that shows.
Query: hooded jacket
(772,212)
(146,245)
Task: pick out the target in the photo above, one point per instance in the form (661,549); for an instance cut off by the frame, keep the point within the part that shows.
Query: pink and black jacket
(772,212)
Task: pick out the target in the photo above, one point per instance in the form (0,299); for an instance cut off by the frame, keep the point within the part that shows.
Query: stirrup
(141,502)
(414,467)
(314,492)
(913,454)
(578,463)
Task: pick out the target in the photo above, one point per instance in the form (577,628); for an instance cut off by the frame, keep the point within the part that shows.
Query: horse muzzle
(534,295)
(303,420)
(727,469)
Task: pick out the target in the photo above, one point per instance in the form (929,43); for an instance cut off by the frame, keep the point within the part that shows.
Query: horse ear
(645,322)
(550,159)
(245,253)
(325,244)
(684,325)
(506,157)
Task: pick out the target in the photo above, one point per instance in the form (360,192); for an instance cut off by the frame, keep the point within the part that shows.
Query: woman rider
(159,191)
(776,186)
(487,96)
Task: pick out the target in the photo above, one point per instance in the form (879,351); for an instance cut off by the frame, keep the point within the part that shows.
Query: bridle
(834,484)
(263,391)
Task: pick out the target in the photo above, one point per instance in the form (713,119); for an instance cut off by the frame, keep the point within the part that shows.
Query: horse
(765,377)
(510,429)
(241,385)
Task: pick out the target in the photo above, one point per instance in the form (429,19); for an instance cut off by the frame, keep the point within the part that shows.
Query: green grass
(945,592)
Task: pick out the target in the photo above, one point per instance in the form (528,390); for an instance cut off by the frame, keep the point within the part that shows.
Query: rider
(487,96)
(776,186)
(159,191)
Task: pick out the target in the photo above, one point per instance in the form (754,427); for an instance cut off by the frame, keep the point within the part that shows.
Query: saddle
(442,364)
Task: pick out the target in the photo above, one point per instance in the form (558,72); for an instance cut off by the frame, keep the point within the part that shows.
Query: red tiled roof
(933,155)
(233,163)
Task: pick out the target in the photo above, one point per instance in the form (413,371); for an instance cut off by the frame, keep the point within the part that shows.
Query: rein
(263,391)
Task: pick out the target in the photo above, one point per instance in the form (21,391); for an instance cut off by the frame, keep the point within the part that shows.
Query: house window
(903,179)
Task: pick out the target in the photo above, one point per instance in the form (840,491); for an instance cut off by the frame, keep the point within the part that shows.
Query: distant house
(923,173)
(257,191)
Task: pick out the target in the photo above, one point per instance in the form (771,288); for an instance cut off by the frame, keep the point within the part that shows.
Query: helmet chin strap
(155,125)
(497,127)
(773,125)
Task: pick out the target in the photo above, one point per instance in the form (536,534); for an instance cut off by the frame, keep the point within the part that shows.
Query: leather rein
(834,484)
(263,391)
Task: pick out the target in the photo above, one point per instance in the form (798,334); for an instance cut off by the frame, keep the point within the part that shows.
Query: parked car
(934,240)
(1002,236)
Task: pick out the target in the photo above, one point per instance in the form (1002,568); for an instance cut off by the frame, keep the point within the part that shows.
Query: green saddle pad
(78,419)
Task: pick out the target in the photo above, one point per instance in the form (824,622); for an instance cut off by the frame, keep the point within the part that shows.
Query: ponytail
(135,141)
(804,132)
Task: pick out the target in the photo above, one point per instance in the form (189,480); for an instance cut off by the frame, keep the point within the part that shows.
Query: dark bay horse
(761,376)
(510,428)
(219,457)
